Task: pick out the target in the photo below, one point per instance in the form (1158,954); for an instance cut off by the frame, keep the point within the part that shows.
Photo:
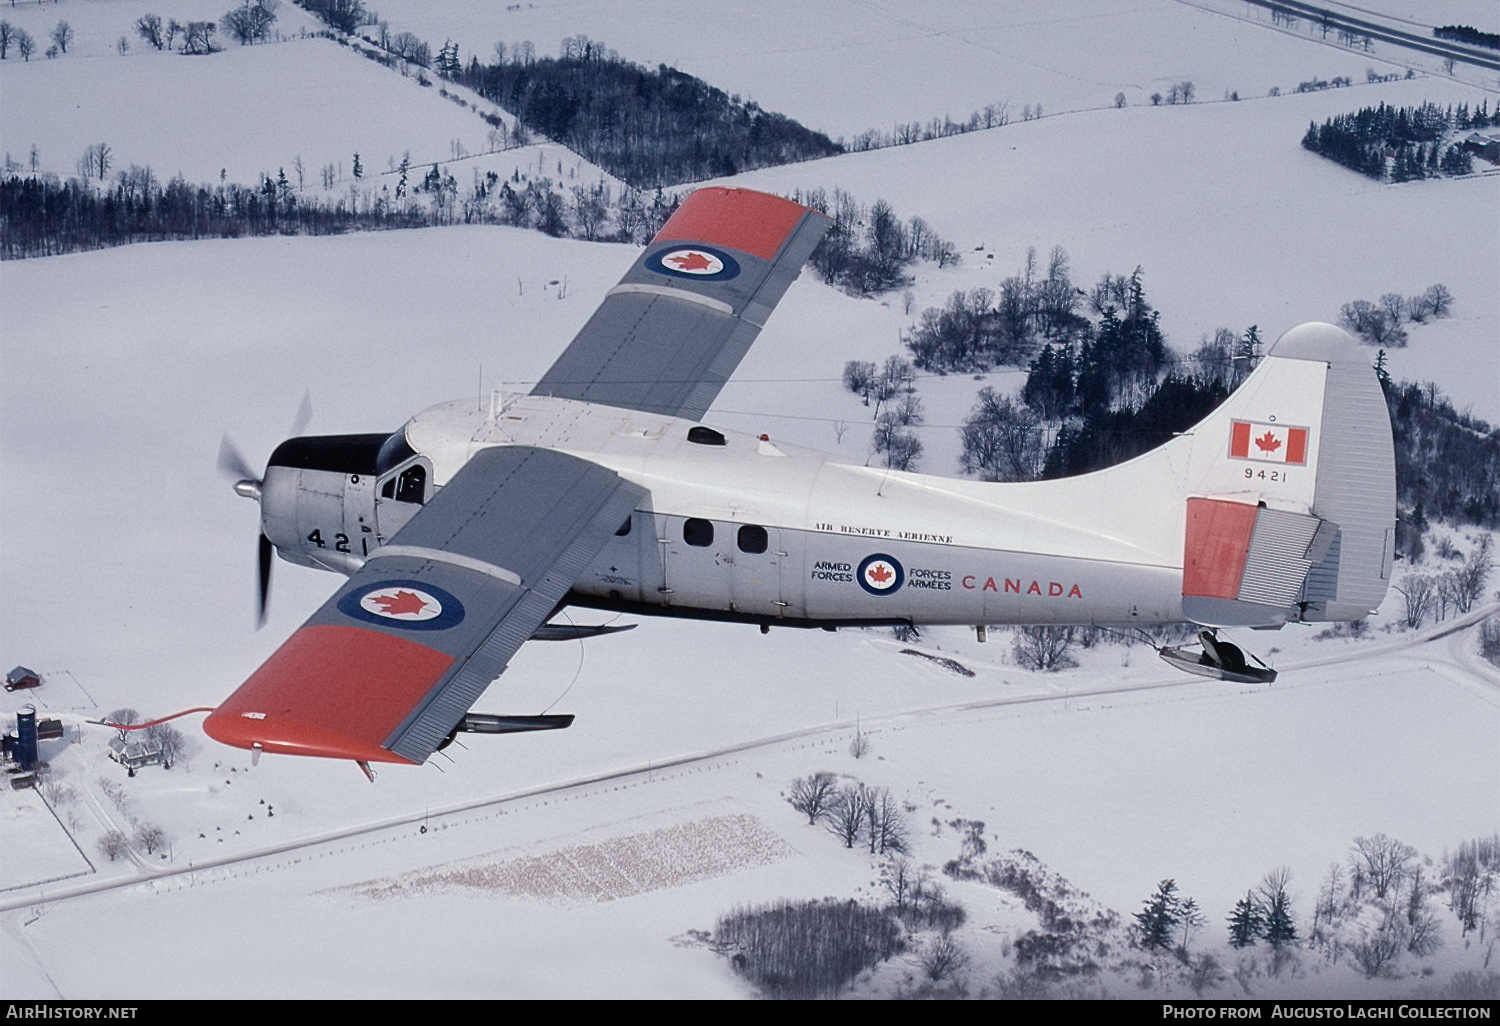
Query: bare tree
(1043,648)
(171,741)
(886,827)
(7,36)
(114,792)
(1002,439)
(846,815)
(859,378)
(901,448)
(113,844)
(1439,300)
(125,715)
(25,45)
(1381,861)
(1421,928)
(150,837)
(62,35)
(900,880)
(251,22)
(198,37)
(1376,949)
(812,796)
(1469,580)
(149,28)
(1418,591)
(944,958)
(590,209)
(1469,876)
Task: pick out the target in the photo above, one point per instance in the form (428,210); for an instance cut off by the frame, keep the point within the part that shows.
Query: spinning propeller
(247,483)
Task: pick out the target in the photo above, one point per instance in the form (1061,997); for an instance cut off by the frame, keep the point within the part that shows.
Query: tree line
(45,216)
(1094,393)
(1379,324)
(1399,143)
(1447,463)
(1468,34)
(648,127)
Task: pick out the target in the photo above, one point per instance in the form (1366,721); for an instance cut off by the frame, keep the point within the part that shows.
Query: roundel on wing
(703,263)
(880,574)
(407,604)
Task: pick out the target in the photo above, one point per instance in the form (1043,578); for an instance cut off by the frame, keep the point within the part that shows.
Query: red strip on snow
(1218,539)
(751,222)
(331,690)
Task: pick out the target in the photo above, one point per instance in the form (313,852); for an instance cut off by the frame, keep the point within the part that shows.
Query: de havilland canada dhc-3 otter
(467,530)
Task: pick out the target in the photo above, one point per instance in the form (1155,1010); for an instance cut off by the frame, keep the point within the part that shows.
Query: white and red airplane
(465,531)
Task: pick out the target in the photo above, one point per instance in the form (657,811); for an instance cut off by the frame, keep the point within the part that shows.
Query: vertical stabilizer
(1356,480)
(1293,518)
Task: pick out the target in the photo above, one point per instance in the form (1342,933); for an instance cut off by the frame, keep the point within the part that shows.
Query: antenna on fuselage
(497,403)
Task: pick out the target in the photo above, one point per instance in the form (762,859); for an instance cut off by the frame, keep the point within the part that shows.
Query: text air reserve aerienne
(465,531)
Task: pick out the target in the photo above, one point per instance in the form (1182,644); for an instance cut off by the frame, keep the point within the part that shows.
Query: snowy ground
(127,565)
(246,113)
(846,66)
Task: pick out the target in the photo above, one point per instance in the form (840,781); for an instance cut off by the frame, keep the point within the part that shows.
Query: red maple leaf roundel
(879,573)
(1268,442)
(692,261)
(400,604)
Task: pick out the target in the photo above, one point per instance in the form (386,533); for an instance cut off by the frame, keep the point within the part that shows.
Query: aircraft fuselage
(740,527)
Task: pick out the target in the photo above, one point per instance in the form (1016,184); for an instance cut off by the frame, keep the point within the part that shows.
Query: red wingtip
(751,222)
(331,691)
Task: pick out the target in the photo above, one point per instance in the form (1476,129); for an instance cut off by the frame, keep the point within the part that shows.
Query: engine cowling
(328,501)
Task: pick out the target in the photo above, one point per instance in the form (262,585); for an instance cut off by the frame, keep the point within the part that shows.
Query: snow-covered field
(127,562)
(847,66)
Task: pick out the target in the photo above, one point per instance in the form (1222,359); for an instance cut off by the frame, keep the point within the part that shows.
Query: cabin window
(753,539)
(698,532)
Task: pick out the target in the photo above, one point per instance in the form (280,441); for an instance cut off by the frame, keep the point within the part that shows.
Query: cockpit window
(408,486)
(411,486)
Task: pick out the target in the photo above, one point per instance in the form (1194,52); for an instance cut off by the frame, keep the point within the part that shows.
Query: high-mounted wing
(386,669)
(672,332)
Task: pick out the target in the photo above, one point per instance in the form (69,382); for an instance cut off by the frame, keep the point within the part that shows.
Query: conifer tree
(1160,916)
(1245,922)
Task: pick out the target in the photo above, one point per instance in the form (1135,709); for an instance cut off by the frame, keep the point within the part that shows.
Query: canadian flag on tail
(1268,443)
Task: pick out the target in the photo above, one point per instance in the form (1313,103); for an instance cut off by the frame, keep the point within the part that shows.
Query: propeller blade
(232,462)
(267,550)
(304,414)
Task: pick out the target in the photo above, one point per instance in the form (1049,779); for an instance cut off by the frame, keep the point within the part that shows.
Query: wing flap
(387,667)
(667,338)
